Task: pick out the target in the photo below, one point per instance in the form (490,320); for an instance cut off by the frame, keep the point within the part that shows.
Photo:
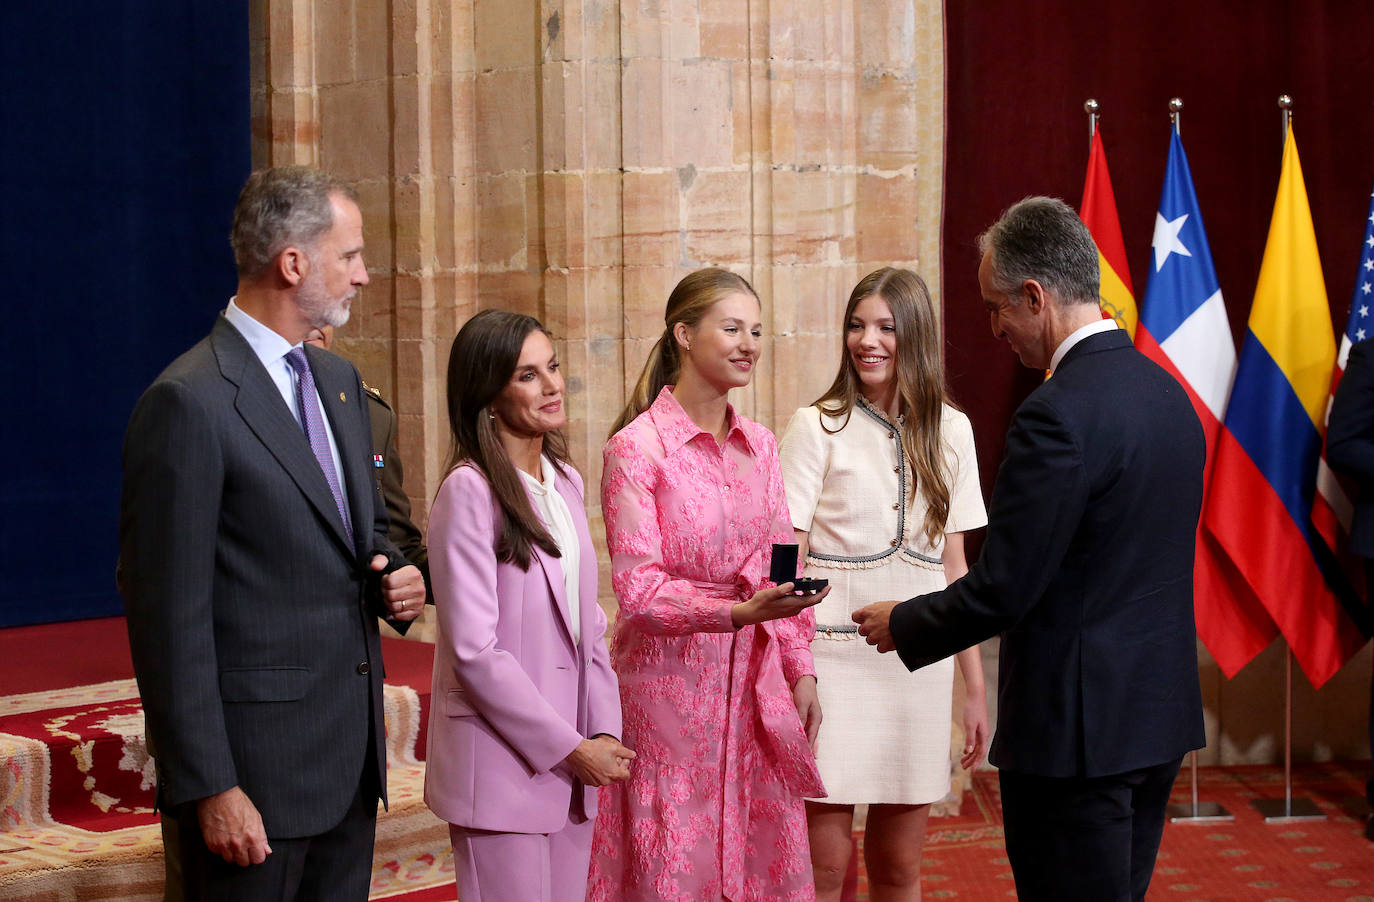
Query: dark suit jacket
(1350,440)
(404,534)
(254,643)
(1087,570)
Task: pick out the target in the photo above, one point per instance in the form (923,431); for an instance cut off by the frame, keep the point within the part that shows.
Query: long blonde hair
(920,384)
(693,296)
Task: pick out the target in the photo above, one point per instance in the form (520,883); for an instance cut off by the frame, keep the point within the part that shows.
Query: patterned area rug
(76,795)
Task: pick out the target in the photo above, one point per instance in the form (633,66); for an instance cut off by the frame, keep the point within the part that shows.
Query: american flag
(1334,491)
(1360,324)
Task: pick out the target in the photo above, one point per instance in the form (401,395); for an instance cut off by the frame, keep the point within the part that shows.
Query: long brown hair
(920,384)
(481,362)
(693,296)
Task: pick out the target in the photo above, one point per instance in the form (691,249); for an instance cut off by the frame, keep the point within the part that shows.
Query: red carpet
(90,725)
(1243,861)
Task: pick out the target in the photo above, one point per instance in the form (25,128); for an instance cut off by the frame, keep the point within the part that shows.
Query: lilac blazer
(512,695)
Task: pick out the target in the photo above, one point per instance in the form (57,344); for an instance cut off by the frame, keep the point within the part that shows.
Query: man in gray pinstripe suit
(254,561)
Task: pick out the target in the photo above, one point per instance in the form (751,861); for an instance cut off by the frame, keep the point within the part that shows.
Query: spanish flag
(1098,212)
(1260,500)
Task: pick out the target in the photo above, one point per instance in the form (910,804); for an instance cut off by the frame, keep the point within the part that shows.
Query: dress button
(896,507)
(893,543)
(896,469)
(892,435)
(364,669)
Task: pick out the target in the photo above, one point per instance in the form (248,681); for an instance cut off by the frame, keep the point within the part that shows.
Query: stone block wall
(572,159)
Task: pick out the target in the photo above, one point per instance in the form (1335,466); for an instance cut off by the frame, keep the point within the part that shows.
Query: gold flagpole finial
(1175,113)
(1091,107)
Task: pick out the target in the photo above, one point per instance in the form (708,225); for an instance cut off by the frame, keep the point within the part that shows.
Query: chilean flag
(1183,328)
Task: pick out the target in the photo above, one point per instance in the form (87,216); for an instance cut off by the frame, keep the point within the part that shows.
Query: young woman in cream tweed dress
(881,482)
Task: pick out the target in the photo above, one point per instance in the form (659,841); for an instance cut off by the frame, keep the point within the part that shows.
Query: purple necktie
(313,422)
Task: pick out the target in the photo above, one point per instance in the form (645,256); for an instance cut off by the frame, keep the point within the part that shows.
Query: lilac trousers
(531,867)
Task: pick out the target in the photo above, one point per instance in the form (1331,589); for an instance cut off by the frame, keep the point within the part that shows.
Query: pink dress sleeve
(794,633)
(651,600)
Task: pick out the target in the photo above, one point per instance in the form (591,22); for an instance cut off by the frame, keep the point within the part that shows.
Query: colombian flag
(1098,212)
(1259,503)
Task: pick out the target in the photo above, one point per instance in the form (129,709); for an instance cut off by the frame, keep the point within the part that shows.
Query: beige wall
(574,159)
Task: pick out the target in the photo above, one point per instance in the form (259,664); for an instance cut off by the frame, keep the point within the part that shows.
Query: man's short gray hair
(281,207)
(1042,238)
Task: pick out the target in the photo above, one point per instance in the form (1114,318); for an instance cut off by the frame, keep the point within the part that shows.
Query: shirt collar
(676,429)
(268,345)
(545,484)
(1077,335)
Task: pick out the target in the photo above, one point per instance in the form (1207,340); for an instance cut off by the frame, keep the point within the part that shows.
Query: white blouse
(553,510)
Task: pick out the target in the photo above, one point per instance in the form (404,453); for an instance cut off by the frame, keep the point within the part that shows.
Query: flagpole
(1176,114)
(1287,810)
(1090,106)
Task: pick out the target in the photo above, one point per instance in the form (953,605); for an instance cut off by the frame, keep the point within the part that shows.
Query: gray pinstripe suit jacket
(257,656)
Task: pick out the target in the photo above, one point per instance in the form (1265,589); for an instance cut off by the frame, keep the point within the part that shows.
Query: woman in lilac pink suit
(525,710)
(716,681)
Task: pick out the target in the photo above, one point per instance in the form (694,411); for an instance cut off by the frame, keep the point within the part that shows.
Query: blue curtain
(124,137)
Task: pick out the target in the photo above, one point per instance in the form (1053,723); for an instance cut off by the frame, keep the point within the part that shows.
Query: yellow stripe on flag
(1290,297)
(1117,301)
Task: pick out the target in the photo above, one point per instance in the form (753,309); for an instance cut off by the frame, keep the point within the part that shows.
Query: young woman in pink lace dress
(717,688)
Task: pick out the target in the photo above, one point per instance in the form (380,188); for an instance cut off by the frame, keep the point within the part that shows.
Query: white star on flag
(1369,265)
(1166,239)
(1365,288)
(1364,311)
(1359,335)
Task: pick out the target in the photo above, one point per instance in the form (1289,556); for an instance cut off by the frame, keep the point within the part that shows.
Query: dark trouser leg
(172,888)
(338,863)
(1150,801)
(1085,840)
(335,866)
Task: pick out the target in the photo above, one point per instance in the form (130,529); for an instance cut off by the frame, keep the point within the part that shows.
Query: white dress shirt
(553,510)
(272,349)
(1077,335)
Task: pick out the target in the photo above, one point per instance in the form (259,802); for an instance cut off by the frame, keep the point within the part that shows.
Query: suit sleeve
(463,539)
(169,523)
(1038,501)
(1350,430)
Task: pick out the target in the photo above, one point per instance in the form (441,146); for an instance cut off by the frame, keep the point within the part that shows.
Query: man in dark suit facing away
(254,562)
(1087,572)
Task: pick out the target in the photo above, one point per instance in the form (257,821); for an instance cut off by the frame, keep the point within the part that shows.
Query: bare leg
(893,843)
(830,829)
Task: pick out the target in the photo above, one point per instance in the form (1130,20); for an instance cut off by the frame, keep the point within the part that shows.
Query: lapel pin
(377,461)
(343,397)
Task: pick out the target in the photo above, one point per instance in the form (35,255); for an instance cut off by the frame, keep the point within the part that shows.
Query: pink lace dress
(713,807)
